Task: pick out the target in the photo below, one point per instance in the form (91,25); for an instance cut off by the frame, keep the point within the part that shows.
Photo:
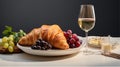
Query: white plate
(51,52)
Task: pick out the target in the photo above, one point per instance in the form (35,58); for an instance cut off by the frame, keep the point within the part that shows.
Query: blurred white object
(106,45)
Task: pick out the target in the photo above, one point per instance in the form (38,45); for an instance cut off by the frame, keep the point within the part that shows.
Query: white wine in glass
(86,21)
(86,24)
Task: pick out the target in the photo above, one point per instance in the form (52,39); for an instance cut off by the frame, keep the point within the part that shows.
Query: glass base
(89,51)
(86,51)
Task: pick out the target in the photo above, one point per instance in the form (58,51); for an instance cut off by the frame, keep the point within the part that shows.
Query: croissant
(53,34)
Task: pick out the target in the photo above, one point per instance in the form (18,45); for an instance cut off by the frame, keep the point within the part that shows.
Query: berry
(34,47)
(44,43)
(65,34)
(69,31)
(4,39)
(72,45)
(10,49)
(37,42)
(75,37)
(41,45)
(40,40)
(8,43)
(68,34)
(68,41)
(72,41)
(11,43)
(43,48)
(5,45)
(77,44)
(10,38)
(49,46)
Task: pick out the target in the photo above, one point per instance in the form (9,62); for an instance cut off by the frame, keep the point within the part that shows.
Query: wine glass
(86,21)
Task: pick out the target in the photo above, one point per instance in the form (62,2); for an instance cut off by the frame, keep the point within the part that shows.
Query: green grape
(4,39)
(10,38)
(10,48)
(11,43)
(5,45)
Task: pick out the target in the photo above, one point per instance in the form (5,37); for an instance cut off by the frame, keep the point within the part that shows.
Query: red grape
(72,41)
(77,44)
(69,31)
(69,34)
(66,35)
(75,37)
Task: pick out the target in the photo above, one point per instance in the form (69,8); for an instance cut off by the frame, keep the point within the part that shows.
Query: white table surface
(78,59)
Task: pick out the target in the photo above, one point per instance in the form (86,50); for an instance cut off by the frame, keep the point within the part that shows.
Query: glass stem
(86,46)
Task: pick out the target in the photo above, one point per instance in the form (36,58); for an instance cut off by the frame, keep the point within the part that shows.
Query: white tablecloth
(78,59)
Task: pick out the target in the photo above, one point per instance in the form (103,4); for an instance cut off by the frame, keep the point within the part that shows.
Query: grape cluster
(8,43)
(41,45)
(72,39)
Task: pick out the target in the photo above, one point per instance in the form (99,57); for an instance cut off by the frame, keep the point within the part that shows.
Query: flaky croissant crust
(53,34)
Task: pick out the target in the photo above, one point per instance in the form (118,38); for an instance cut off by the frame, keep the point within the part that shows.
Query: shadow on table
(23,57)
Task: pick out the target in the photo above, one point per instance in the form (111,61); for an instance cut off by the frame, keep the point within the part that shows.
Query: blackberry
(34,47)
(41,45)
(43,48)
(49,46)
(40,40)
(72,45)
